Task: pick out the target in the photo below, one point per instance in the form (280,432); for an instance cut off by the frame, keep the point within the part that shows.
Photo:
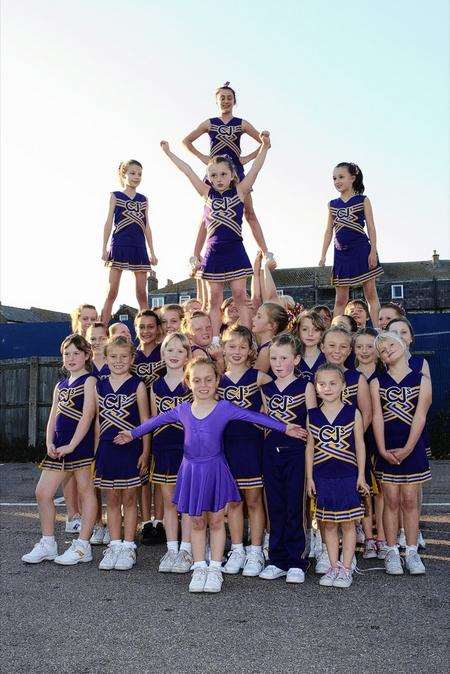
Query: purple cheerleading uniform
(69,413)
(351,245)
(128,246)
(167,440)
(225,140)
(116,465)
(149,368)
(104,371)
(416,364)
(225,258)
(350,392)
(243,441)
(399,404)
(309,371)
(204,482)
(335,469)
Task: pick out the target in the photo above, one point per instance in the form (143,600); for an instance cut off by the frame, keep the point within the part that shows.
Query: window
(123,317)
(280,292)
(157,302)
(184,298)
(397,292)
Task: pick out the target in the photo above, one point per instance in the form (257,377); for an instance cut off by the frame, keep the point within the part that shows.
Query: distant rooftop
(33,315)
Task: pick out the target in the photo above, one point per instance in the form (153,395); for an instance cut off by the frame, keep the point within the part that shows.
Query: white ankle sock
(117,542)
(172,545)
(48,539)
(256,549)
(186,546)
(83,542)
(215,565)
(393,547)
(200,565)
(410,549)
(237,546)
(129,544)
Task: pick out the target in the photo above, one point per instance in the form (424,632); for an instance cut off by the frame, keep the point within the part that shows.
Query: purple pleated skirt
(204,486)
(337,499)
(133,258)
(225,261)
(351,265)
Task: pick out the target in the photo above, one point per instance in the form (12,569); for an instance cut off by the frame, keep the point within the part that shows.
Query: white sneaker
(235,562)
(73,526)
(41,552)
(352,565)
(344,577)
(214,580)
(318,544)
(323,562)
(414,564)
(76,553)
(198,579)
(382,549)
(266,545)
(370,549)
(110,556)
(98,534)
(106,537)
(183,562)
(393,563)
(167,561)
(254,564)
(401,539)
(329,577)
(295,575)
(272,572)
(420,541)
(360,536)
(126,558)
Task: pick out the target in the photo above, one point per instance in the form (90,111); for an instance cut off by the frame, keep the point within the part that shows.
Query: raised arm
(201,187)
(326,239)
(246,184)
(108,226)
(188,142)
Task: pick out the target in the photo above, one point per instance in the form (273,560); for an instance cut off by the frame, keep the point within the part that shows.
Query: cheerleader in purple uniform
(401,399)
(205,484)
(70,451)
(355,255)
(148,363)
(128,212)
(167,449)
(225,259)
(270,320)
(287,399)
(335,457)
(310,330)
(122,404)
(243,450)
(97,337)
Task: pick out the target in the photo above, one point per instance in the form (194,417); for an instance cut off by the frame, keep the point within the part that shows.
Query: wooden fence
(26,390)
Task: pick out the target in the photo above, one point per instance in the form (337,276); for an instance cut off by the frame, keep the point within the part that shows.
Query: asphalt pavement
(79,619)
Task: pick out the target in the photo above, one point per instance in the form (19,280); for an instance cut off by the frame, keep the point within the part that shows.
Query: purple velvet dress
(204,482)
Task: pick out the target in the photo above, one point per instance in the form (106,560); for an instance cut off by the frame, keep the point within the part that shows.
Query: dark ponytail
(354,170)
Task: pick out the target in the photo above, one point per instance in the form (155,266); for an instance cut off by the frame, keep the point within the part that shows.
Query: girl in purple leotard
(205,484)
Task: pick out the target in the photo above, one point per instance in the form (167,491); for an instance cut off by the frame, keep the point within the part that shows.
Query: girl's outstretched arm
(149,239)
(201,187)
(188,142)
(169,417)
(246,184)
(108,226)
(326,239)
(368,215)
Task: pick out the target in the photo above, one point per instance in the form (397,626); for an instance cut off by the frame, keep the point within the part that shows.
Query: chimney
(152,282)
(169,282)
(435,258)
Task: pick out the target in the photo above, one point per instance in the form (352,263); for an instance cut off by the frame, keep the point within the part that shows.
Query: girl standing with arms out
(335,457)
(401,399)
(70,451)
(122,403)
(310,330)
(243,450)
(167,449)
(355,255)
(287,399)
(128,211)
(225,258)
(204,483)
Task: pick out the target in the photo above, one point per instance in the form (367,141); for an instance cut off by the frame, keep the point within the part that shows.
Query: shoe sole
(326,584)
(283,575)
(164,570)
(73,563)
(214,591)
(250,575)
(395,573)
(295,582)
(416,573)
(342,587)
(181,570)
(371,555)
(231,573)
(45,559)
(121,568)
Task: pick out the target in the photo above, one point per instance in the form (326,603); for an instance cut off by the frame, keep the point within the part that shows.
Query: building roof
(394,272)
(32,315)
(50,315)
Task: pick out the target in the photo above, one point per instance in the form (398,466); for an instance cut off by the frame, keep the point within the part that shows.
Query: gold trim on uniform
(225,276)
(357,280)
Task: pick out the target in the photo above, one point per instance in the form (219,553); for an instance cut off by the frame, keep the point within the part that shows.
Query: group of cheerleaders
(305,422)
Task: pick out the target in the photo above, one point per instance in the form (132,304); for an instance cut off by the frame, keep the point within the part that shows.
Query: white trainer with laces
(329,577)
(214,580)
(235,562)
(382,549)
(393,563)
(352,565)
(272,572)
(73,526)
(370,549)
(360,536)
(183,562)
(41,552)
(323,561)
(106,537)
(344,577)
(110,556)
(76,553)
(98,534)
(266,545)
(414,564)
(167,561)
(254,564)
(295,575)
(198,579)
(421,541)
(126,558)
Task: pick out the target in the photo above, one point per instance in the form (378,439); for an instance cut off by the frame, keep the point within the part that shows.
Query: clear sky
(86,84)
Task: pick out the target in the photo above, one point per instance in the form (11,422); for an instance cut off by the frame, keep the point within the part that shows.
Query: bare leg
(185,528)
(371,295)
(215,295)
(98,496)
(46,489)
(141,289)
(367,521)
(70,493)
(253,498)
(235,518)
(88,502)
(170,512)
(342,294)
(158,503)
(145,498)
(198,538)
(239,292)
(113,501)
(114,282)
(348,543)
(332,541)
(379,506)
(129,500)
(217,535)
(408,498)
(391,495)
(253,221)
